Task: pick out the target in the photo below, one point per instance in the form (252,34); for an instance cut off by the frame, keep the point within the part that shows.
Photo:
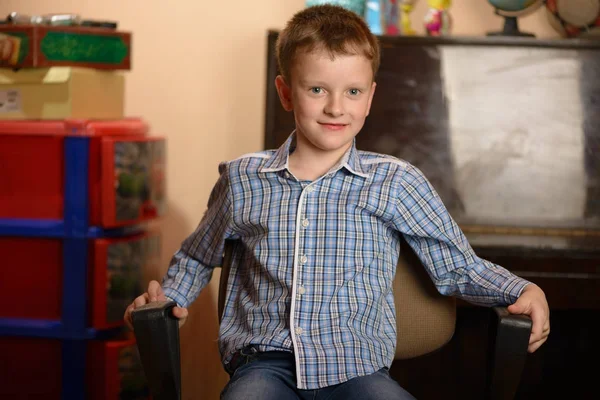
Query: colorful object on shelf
(406,8)
(574,18)
(391,17)
(10,50)
(137,175)
(373,16)
(511,10)
(61,92)
(76,46)
(438,21)
(358,6)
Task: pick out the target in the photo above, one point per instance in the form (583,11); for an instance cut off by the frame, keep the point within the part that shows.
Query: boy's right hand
(154,293)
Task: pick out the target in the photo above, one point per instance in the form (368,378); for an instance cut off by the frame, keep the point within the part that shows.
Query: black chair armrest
(509,339)
(157,335)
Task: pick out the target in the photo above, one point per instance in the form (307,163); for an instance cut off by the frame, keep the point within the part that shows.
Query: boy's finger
(180,312)
(140,300)
(536,345)
(155,291)
(127,317)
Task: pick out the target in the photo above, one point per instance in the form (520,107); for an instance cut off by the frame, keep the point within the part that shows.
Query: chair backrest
(425,319)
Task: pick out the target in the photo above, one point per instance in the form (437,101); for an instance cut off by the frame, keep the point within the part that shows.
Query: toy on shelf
(574,18)
(383,17)
(438,21)
(406,8)
(511,10)
(391,17)
(373,16)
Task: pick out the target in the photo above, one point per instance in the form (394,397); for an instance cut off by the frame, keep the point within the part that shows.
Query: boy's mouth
(332,126)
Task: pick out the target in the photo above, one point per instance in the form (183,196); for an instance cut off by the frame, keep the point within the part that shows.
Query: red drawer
(126,170)
(32,276)
(116,275)
(31,283)
(32,368)
(114,371)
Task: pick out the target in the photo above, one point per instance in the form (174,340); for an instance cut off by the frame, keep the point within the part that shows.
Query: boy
(310,311)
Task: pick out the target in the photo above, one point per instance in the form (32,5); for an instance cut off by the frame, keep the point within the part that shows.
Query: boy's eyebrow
(358,85)
(305,82)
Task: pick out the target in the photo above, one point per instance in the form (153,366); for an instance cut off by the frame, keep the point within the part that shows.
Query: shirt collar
(280,159)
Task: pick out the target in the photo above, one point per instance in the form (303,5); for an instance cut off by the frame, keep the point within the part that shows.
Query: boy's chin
(332,145)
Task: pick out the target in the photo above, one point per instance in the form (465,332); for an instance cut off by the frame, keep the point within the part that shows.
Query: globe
(511,10)
(514,6)
(358,6)
(574,18)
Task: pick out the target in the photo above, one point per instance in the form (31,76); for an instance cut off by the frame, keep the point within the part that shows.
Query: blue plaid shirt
(316,274)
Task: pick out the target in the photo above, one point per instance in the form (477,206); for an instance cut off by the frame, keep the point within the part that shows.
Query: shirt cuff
(175,296)
(513,288)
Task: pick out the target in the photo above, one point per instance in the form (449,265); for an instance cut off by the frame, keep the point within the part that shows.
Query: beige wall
(198,78)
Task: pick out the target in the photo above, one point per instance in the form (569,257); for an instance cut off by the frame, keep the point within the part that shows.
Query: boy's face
(330,98)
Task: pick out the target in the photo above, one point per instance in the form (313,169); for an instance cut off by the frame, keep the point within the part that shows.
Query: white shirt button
(298,331)
(301,290)
(305,223)
(310,189)
(303,259)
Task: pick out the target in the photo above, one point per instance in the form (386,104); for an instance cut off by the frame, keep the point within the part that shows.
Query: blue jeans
(272,376)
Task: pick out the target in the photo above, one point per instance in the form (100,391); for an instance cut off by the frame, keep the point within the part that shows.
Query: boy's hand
(154,293)
(533,302)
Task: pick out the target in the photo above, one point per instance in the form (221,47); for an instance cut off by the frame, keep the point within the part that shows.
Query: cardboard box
(61,93)
(34,46)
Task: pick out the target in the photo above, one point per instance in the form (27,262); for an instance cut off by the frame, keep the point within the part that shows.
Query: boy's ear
(285,93)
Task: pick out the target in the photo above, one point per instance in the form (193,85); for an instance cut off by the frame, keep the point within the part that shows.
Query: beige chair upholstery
(425,319)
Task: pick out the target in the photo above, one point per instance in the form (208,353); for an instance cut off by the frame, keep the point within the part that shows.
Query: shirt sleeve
(444,250)
(193,263)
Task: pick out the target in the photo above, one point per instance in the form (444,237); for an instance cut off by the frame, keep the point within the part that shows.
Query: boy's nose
(334,107)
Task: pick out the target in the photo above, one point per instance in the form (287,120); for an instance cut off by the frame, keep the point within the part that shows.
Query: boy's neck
(309,164)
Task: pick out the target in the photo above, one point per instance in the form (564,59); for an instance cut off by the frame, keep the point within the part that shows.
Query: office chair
(425,323)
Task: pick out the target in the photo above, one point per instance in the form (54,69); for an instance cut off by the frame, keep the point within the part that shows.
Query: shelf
(98,232)
(32,227)
(55,228)
(50,329)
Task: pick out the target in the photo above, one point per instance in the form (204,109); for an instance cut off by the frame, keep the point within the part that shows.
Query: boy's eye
(316,90)
(354,92)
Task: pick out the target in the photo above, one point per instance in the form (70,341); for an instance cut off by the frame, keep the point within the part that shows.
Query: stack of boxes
(79,181)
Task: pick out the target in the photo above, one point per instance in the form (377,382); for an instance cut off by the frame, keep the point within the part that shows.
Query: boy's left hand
(533,302)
